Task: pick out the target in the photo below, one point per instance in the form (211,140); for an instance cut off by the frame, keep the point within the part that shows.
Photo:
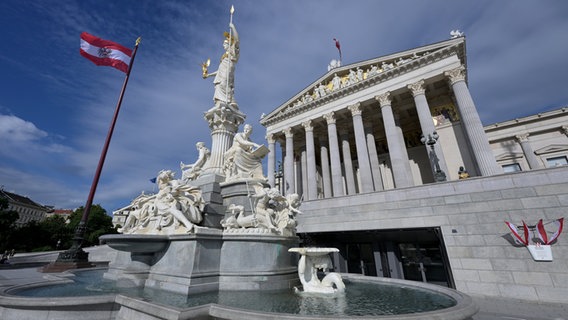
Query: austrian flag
(105,53)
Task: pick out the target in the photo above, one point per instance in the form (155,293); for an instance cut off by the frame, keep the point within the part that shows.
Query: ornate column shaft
(336,178)
(426,124)
(289,183)
(326,176)
(374,159)
(271,164)
(312,190)
(223,125)
(473,127)
(528,151)
(302,174)
(348,163)
(397,148)
(362,153)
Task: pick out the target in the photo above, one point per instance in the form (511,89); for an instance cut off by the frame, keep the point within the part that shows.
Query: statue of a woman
(225,76)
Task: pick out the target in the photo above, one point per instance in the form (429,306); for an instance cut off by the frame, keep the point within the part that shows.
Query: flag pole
(75,254)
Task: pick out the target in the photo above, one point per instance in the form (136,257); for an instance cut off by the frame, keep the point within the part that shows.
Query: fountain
(219,243)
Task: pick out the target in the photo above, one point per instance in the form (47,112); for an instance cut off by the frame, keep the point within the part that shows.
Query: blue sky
(56,106)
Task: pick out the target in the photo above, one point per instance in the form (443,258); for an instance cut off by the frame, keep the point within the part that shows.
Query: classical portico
(362,133)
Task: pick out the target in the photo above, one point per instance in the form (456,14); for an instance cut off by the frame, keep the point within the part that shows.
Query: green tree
(57,231)
(98,224)
(8,220)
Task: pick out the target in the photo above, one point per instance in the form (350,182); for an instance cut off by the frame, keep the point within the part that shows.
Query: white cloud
(14,129)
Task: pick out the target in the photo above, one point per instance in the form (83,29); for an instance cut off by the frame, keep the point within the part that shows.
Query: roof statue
(456,33)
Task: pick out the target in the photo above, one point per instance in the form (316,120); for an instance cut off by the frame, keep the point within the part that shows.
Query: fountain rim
(464,308)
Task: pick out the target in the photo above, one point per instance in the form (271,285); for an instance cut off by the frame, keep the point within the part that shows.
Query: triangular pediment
(509,156)
(552,149)
(360,75)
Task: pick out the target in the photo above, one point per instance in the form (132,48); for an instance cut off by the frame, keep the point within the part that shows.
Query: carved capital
(565,130)
(355,109)
(456,75)
(308,125)
(417,88)
(524,137)
(288,133)
(270,138)
(329,117)
(384,99)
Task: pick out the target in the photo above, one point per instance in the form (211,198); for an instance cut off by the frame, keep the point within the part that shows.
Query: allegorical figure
(243,159)
(224,80)
(192,171)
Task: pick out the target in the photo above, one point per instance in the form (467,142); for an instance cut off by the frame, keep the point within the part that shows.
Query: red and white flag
(105,53)
(559,224)
(338,46)
(515,232)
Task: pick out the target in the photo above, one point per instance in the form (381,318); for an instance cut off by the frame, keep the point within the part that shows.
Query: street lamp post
(439,175)
(278,175)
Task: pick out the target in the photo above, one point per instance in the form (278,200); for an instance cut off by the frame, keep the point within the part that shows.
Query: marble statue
(312,260)
(373,71)
(333,64)
(176,208)
(192,171)
(271,213)
(336,82)
(456,34)
(243,159)
(321,90)
(360,74)
(224,80)
(386,66)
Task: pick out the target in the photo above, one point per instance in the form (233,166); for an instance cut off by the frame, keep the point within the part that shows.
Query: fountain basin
(228,304)
(135,243)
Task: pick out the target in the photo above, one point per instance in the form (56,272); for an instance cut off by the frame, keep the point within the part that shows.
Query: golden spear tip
(138,40)
(232,9)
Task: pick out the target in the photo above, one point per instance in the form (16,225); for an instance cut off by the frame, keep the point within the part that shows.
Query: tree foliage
(98,224)
(53,233)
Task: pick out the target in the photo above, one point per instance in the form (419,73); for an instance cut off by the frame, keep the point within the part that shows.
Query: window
(514,167)
(557,161)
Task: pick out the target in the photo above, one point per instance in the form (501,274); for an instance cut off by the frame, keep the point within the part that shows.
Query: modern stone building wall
(471,214)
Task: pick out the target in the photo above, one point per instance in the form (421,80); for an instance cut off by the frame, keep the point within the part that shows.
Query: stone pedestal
(207,260)
(214,209)
(257,262)
(237,193)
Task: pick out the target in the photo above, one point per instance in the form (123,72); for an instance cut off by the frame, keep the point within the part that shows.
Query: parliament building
(396,169)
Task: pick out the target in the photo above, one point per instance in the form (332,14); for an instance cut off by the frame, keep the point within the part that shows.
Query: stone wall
(483,259)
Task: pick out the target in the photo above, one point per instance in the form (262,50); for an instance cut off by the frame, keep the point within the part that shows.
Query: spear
(229,54)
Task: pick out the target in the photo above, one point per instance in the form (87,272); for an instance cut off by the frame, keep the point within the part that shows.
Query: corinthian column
(395,141)
(271,164)
(472,124)
(326,177)
(347,163)
(336,178)
(223,124)
(312,191)
(289,183)
(374,158)
(427,125)
(365,173)
(533,161)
